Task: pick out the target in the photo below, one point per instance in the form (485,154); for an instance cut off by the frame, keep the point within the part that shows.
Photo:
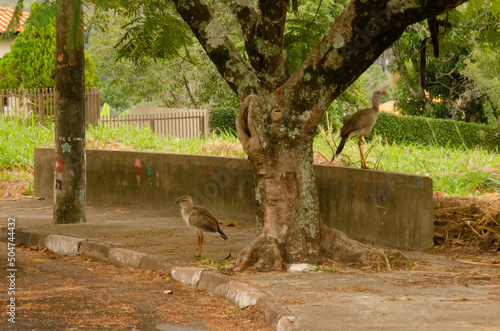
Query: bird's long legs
(363,163)
(200,241)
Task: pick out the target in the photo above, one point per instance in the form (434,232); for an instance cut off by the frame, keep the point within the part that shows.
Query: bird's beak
(384,92)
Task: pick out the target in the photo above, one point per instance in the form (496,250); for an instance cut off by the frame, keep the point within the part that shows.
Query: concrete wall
(383,207)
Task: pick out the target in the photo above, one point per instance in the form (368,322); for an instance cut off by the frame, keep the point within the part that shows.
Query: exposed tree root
(262,253)
(337,246)
(265,253)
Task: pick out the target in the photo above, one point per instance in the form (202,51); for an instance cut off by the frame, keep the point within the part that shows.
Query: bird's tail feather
(340,148)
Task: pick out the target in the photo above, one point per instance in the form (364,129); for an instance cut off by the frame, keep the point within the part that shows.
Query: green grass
(18,142)
(146,140)
(454,171)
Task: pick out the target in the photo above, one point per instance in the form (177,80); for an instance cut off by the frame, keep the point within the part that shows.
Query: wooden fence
(180,124)
(41,103)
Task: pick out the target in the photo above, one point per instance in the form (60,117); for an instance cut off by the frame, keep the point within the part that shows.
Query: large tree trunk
(70,185)
(288,215)
(287,206)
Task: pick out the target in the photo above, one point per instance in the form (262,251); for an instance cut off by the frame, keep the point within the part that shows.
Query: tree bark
(70,181)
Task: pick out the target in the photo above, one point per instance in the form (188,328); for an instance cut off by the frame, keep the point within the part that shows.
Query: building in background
(5,18)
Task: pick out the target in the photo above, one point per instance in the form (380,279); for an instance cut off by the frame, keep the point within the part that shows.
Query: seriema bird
(199,219)
(360,124)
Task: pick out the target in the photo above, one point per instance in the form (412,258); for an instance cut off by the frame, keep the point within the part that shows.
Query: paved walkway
(437,294)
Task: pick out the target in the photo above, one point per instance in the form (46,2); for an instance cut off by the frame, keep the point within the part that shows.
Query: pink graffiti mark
(65,65)
(138,172)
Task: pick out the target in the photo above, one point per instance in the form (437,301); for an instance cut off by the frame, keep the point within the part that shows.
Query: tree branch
(354,41)
(263,35)
(402,72)
(245,13)
(219,47)
(248,112)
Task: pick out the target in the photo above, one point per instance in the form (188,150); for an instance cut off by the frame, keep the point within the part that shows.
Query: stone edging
(236,293)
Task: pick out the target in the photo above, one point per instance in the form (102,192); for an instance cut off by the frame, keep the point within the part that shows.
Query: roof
(6,17)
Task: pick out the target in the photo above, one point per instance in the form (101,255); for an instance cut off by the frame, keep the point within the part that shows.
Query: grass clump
(18,141)
(455,171)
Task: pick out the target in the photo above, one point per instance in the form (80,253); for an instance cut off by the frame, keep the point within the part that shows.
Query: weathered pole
(70,160)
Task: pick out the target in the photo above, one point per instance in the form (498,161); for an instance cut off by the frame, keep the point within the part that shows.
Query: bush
(437,132)
(223,119)
(32,57)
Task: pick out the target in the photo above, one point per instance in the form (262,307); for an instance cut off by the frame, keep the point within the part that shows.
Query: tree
(484,72)
(436,86)
(70,185)
(30,62)
(281,108)
(190,81)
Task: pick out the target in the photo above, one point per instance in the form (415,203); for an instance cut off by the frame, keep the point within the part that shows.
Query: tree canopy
(451,85)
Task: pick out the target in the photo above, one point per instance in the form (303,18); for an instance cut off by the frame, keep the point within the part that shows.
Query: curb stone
(237,293)
(63,244)
(242,295)
(124,257)
(273,311)
(286,323)
(151,262)
(214,283)
(187,275)
(28,238)
(95,250)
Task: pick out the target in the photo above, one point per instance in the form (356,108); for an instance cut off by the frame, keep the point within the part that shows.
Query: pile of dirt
(469,224)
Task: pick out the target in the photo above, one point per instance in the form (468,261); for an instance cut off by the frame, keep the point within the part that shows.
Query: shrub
(223,119)
(437,132)
(32,57)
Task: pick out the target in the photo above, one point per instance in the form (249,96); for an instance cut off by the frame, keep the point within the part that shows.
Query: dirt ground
(468,228)
(102,296)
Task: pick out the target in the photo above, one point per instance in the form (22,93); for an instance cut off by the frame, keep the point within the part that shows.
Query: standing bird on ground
(199,219)
(360,124)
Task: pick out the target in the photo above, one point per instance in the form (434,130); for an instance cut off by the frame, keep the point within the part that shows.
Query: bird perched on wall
(199,219)
(360,124)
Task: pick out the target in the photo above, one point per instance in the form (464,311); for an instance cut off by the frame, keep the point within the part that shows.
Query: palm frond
(44,13)
(153,31)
